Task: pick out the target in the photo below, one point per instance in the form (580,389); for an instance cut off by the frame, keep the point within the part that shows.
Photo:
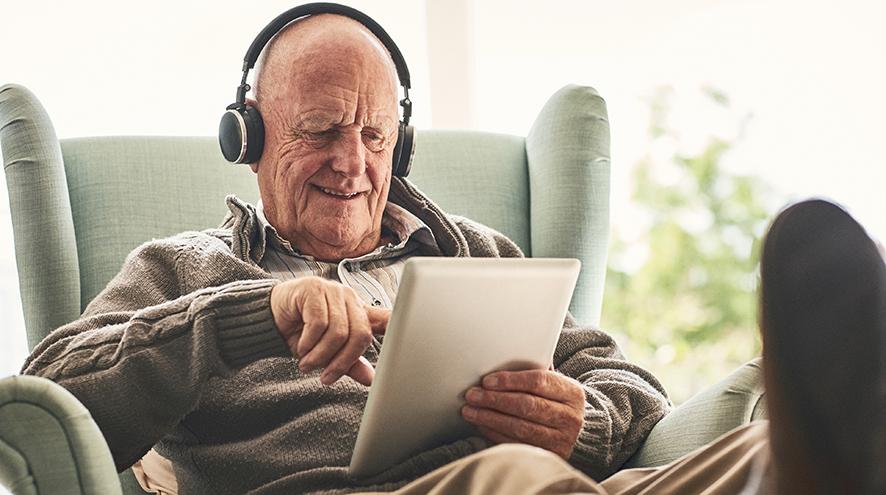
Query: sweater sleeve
(140,355)
(622,401)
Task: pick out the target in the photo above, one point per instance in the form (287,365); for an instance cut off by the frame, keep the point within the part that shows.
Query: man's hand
(326,325)
(536,407)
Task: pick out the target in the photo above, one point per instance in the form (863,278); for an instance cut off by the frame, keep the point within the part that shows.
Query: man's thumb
(378,319)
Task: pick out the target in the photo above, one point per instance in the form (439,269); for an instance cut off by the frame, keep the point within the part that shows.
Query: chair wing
(48,267)
(127,190)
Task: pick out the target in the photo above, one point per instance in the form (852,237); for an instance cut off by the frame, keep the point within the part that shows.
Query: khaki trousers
(736,463)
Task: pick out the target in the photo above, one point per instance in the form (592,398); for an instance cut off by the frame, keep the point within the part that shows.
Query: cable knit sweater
(180,350)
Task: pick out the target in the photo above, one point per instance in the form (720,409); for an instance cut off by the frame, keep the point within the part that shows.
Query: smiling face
(327,93)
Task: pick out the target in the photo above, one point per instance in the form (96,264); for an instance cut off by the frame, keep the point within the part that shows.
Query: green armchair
(73,227)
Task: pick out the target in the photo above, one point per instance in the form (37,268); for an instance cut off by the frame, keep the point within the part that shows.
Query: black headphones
(241,132)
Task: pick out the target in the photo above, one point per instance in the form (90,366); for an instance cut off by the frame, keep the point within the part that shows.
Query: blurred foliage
(681,291)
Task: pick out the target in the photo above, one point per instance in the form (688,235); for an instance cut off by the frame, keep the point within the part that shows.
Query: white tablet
(454,321)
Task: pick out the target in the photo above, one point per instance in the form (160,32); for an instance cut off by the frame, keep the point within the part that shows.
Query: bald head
(302,44)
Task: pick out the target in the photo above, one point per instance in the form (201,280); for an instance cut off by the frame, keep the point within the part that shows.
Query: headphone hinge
(406,103)
(242,89)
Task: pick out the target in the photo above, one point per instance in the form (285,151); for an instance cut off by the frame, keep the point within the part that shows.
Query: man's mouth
(339,194)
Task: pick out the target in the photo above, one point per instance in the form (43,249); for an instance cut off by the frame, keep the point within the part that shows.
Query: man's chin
(337,242)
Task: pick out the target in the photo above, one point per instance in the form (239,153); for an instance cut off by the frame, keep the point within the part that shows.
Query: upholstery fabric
(49,443)
(14,472)
(568,155)
(127,190)
(483,177)
(734,401)
(48,269)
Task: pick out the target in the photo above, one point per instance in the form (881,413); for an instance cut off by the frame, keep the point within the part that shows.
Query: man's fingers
(523,405)
(378,319)
(362,371)
(292,342)
(543,383)
(333,339)
(359,338)
(519,429)
(325,325)
(315,319)
(538,407)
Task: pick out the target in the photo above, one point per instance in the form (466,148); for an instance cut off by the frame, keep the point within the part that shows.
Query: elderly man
(244,354)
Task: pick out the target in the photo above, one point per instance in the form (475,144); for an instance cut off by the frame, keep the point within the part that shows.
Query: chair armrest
(734,401)
(49,443)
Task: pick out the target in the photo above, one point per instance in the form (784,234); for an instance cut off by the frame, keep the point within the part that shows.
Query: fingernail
(469,412)
(305,367)
(490,381)
(326,379)
(474,394)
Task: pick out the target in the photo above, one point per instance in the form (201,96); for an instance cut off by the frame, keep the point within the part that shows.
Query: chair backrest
(79,206)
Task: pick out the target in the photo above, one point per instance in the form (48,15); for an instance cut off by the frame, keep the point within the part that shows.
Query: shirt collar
(268,232)
(396,220)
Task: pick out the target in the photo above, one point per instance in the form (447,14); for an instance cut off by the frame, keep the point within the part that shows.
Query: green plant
(681,292)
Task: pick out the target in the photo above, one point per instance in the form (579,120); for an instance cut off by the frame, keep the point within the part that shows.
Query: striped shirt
(375,276)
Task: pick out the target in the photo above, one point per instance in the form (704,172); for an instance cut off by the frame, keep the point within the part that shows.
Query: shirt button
(376,303)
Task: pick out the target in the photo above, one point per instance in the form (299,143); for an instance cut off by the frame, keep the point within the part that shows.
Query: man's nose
(349,155)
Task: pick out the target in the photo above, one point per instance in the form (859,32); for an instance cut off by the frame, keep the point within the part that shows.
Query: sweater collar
(396,222)
(248,240)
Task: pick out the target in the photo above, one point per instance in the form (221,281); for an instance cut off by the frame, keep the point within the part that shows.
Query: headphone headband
(279,22)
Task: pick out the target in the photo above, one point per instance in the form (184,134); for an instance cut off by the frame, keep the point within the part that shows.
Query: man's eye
(373,140)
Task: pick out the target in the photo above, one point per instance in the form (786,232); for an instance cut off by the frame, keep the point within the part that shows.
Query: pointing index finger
(315,318)
(378,319)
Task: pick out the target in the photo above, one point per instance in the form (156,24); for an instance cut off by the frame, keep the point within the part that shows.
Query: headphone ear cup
(230,135)
(404,150)
(255,134)
(241,135)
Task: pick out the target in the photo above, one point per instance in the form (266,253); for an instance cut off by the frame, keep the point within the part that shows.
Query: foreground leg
(509,468)
(724,467)
(823,285)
